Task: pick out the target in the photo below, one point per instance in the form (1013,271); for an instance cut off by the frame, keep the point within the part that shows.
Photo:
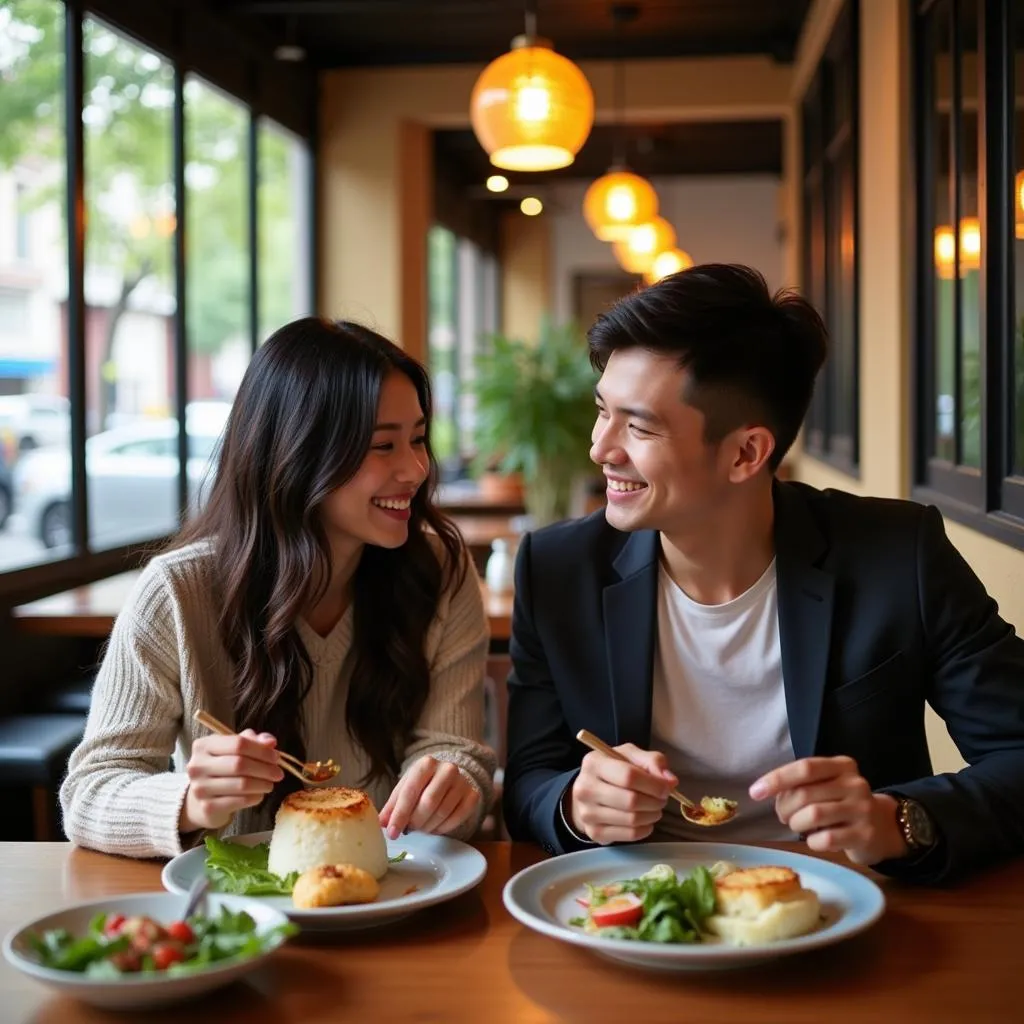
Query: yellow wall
(525,274)
(885,301)
(374,163)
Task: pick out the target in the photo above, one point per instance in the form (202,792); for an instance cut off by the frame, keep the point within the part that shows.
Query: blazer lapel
(805,595)
(630,618)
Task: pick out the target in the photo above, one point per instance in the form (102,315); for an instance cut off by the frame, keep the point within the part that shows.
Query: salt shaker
(500,571)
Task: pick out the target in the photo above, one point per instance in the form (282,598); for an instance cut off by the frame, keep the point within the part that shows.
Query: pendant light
(531,109)
(671,261)
(620,200)
(636,254)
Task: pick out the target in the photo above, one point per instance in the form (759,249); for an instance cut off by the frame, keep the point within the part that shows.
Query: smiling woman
(320,602)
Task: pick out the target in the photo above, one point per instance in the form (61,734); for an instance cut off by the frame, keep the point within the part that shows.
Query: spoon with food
(711,811)
(309,772)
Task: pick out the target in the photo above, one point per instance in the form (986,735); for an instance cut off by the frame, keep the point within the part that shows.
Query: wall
(885,307)
(725,219)
(525,260)
(371,161)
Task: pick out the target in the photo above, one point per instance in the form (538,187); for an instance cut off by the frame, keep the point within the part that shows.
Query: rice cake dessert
(338,825)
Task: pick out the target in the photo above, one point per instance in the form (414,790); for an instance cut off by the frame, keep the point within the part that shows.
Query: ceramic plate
(543,897)
(133,992)
(435,869)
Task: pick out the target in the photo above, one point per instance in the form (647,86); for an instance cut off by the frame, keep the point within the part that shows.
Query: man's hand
(827,800)
(613,801)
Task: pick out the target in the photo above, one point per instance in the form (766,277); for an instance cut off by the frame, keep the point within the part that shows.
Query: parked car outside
(132,480)
(35,420)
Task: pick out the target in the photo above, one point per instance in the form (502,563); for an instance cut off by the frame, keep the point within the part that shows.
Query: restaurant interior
(178,180)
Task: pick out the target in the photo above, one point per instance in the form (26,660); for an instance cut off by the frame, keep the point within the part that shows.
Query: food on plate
(745,907)
(334,885)
(314,827)
(761,905)
(712,810)
(115,945)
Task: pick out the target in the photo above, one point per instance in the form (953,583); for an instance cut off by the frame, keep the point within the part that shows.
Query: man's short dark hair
(751,356)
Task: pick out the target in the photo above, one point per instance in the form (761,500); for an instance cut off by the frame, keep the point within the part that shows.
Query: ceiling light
(531,206)
(497,183)
(531,109)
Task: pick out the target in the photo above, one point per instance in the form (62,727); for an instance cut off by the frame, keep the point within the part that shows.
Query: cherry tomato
(166,953)
(181,931)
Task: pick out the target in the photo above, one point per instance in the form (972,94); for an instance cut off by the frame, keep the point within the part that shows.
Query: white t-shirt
(719,707)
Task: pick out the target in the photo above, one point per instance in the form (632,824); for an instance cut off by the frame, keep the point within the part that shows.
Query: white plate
(543,897)
(435,869)
(142,990)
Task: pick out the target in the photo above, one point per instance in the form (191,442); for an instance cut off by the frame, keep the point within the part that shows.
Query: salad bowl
(242,934)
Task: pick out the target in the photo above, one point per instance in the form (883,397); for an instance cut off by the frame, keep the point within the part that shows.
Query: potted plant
(534,414)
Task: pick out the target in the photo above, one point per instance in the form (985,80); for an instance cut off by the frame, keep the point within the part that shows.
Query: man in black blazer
(844,616)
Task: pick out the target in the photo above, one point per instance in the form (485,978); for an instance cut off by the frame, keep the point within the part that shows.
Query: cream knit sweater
(165,660)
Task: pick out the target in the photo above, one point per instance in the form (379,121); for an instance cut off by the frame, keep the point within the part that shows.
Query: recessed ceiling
(350,33)
(693,148)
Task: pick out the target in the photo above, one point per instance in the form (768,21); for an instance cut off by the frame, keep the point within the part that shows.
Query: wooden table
(936,956)
(90,610)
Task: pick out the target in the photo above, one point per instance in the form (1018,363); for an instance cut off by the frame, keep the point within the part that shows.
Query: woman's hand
(227,773)
(432,796)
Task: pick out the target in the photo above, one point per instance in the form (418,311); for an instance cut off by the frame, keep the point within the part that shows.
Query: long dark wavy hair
(300,427)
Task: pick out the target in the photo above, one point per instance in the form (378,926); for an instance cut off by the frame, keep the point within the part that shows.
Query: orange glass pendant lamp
(618,202)
(669,262)
(636,254)
(532,109)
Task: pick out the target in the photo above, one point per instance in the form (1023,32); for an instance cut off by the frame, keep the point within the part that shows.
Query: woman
(320,604)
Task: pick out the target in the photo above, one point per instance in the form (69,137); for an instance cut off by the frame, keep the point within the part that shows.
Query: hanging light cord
(530,19)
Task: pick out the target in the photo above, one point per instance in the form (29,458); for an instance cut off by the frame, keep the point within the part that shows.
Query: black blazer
(878,614)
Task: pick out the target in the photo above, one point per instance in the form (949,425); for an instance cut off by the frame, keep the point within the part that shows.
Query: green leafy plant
(534,414)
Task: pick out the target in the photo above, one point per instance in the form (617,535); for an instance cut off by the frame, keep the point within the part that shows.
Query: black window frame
(830,117)
(192,40)
(990,498)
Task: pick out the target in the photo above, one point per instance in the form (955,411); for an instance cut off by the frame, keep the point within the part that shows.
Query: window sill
(997,525)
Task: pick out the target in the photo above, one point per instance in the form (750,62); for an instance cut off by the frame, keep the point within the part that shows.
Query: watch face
(920,823)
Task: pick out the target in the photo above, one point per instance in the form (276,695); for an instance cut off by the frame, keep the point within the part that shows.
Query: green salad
(659,906)
(242,870)
(115,945)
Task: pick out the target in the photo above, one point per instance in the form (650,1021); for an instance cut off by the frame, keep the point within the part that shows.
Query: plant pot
(501,488)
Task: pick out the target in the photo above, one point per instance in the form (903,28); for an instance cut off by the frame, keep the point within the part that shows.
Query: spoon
(711,811)
(306,771)
(195,896)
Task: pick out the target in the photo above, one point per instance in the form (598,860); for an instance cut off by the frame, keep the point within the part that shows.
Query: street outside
(18,549)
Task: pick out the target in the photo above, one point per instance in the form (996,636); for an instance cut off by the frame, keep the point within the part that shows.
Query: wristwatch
(916,825)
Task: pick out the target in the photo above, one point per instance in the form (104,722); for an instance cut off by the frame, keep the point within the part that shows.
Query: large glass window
(971,221)
(118,315)
(129,292)
(34,409)
(830,169)
(283,219)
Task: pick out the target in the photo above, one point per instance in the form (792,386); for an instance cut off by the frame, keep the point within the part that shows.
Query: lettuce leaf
(242,870)
(675,909)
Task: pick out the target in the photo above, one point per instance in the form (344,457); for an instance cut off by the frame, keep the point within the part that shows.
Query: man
(748,638)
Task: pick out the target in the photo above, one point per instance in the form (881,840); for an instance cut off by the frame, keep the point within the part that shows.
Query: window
(463,303)
(33,274)
(129,287)
(829,244)
(969,157)
(97,361)
(284,191)
(218,296)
